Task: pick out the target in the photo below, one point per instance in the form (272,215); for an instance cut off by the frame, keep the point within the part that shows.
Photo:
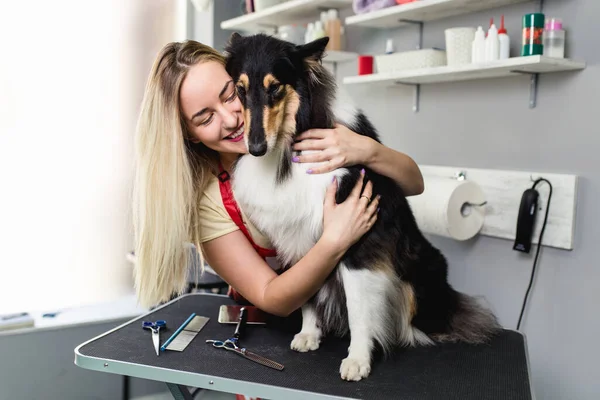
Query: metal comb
(185,333)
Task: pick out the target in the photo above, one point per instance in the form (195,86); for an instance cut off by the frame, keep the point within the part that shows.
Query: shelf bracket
(416,86)
(533,86)
(420,26)
(416,95)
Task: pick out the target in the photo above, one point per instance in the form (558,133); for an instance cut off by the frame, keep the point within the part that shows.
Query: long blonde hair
(171,175)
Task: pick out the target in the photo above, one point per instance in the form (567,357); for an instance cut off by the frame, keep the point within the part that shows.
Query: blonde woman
(190,123)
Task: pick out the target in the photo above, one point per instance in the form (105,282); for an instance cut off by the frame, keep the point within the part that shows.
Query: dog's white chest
(290,213)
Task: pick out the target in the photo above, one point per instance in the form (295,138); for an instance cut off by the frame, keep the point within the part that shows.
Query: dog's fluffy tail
(472,323)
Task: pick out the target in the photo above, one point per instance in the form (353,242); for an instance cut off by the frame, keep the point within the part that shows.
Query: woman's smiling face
(211,108)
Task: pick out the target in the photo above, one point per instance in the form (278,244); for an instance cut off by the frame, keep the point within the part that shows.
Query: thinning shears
(155,328)
(232,344)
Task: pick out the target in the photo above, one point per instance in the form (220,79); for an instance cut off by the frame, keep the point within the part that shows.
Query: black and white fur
(391,287)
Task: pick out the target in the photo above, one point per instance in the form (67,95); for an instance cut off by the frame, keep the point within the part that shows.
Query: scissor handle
(241,325)
(161,323)
(229,344)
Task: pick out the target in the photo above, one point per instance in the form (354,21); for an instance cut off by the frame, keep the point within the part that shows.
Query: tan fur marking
(408,299)
(268,80)
(313,67)
(245,81)
(410,294)
(280,120)
(247,118)
(292,104)
(384,265)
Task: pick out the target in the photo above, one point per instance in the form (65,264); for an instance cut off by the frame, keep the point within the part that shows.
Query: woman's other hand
(339,147)
(345,223)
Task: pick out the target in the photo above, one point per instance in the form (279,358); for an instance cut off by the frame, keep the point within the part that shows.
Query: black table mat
(449,371)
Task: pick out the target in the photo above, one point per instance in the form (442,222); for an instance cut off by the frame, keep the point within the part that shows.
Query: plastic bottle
(310,29)
(504,41)
(554,38)
(318,32)
(324,16)
(334,30)
(389,46)
(478,49)
(492,44)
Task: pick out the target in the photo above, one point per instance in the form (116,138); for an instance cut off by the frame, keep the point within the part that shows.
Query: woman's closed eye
(210,118)
(207,120)
(232,96)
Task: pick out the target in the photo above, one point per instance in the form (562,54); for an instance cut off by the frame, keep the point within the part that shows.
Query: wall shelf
(421,11)
(532,65)
(282,14)
(496,69)
(334,56)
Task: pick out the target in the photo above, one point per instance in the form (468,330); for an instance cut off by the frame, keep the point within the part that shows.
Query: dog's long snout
(257,142)
(258,149)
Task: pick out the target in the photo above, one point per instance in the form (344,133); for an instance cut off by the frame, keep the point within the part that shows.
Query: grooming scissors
(155,328)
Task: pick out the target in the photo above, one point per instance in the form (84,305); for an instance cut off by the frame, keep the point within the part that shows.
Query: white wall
(71,79)
(487,124)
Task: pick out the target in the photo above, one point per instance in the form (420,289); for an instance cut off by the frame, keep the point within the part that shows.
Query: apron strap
(236,215)
(234,211)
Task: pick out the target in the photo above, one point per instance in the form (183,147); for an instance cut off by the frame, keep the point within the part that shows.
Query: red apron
(234,212)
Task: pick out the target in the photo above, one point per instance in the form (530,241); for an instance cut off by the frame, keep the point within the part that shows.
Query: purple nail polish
(333,180)
(295,159)
(309,171)
(378,208)
(362,171)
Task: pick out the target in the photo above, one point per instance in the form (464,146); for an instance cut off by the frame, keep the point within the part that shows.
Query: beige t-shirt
(216,222)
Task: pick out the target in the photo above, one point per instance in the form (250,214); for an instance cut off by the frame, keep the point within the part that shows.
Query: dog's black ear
(234,38)
(313,50)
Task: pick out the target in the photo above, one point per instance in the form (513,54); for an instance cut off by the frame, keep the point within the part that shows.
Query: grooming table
(450,371)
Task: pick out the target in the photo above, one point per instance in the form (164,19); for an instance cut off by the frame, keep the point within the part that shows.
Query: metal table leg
(125,387)
(179,392)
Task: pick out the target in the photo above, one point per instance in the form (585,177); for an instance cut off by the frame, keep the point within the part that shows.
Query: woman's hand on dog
(340,147)
(345,223)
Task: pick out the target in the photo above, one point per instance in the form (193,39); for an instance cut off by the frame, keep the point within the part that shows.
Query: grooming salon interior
(495,101)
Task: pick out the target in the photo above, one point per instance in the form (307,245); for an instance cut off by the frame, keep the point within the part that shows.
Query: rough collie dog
(390,288)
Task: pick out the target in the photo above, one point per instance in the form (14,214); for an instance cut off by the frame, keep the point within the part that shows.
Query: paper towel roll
(443,208)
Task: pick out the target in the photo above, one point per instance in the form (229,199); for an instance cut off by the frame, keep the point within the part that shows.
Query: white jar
(459,42)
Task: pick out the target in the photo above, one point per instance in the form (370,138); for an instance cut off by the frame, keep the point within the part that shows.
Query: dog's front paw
(354,369)
(304,342)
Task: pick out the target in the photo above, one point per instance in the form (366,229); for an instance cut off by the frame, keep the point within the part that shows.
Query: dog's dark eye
(274,88)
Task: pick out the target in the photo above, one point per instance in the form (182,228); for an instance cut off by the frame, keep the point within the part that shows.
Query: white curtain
(71,80)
